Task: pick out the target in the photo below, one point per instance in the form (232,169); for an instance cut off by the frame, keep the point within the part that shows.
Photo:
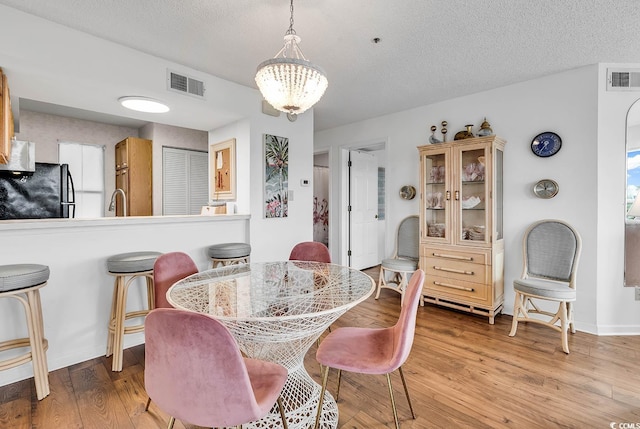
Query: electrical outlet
(637,293)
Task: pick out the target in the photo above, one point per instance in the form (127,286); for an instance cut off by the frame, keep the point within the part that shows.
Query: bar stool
(229,254)
(23,282)
(126,267)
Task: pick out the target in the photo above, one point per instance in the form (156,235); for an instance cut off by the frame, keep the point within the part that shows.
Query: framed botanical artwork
(222,167)
(276,176)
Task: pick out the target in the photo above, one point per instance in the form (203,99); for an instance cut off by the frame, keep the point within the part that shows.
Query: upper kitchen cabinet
(6,120)
(134,176)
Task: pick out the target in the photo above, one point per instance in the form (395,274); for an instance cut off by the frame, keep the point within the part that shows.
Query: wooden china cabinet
(461,224)
(134,176)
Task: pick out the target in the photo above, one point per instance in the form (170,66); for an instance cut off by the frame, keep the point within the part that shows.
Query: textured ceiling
(430,50)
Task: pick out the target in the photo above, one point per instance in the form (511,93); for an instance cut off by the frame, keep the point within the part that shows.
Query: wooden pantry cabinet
(461,224)
(134,176)
(6,120)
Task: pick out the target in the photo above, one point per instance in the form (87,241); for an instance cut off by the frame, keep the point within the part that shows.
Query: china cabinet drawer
(459,290)
(455,269)
(446,254)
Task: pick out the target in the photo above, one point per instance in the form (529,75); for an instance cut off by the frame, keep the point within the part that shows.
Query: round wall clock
(546,188)
(546,144)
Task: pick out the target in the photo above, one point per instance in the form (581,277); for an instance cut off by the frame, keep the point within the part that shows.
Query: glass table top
(282,290)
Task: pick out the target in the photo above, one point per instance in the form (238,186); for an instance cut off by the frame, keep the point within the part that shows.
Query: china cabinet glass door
(471,195)
(437,196)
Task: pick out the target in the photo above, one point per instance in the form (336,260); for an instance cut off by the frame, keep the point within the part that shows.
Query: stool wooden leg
(118,329)
(117,323)
(112,317)
(231,261)
(36,339)
(43,342)
(151,293)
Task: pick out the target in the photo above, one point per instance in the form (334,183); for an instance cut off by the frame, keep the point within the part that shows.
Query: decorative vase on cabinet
(461,224)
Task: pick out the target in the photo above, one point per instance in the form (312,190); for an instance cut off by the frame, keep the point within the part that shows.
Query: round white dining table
(276,311)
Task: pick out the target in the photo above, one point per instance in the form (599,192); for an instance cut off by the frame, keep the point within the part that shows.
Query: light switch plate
(637,293)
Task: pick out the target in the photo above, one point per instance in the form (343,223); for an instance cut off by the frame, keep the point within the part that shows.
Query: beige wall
(47,130)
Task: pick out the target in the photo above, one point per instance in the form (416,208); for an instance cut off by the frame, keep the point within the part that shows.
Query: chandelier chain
(291,30)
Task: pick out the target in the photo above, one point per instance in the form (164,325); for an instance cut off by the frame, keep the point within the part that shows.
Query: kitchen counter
(77,299)
(28,224)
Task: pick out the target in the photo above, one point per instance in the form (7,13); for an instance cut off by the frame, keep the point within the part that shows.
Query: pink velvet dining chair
(194,371)
(313,251)
(373,350)
(310,251)
(168,269)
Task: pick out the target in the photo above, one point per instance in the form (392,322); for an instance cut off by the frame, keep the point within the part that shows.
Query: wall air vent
(623,79)
(185,84)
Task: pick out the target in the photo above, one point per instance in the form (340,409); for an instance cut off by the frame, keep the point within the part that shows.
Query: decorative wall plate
(407,192)
(546,144)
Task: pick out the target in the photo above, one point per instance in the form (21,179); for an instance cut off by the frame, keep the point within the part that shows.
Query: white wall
(617,311)
(278,236)
(52,63)
(565,103)
(272,239)
(241,131)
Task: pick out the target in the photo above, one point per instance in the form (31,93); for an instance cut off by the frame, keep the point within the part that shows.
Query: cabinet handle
(448,195)
(444,255)
(451,270)
(457,194)
(468,289)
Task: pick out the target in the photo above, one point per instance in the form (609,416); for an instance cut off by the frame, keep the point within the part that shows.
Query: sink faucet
(112,205)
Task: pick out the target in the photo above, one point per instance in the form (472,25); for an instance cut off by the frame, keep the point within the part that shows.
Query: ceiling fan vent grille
(185,84)
(623,80)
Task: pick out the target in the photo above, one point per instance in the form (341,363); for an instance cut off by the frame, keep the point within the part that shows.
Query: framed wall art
(222,166)
(276,176)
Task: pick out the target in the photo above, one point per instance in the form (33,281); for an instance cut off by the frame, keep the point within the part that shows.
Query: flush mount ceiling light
(289,82)
(143,104)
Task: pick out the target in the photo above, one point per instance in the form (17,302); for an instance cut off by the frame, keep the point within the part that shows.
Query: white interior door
(363,197)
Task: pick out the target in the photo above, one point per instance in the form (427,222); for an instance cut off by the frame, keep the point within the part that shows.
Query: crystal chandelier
(289,82)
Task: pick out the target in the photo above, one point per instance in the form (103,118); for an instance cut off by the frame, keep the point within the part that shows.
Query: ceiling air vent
(623,79)
(185,84)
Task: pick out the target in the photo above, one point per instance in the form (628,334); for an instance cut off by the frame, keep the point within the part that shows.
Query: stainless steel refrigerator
(47,193)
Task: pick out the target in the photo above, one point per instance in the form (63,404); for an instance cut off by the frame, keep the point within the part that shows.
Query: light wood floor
(462,373)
